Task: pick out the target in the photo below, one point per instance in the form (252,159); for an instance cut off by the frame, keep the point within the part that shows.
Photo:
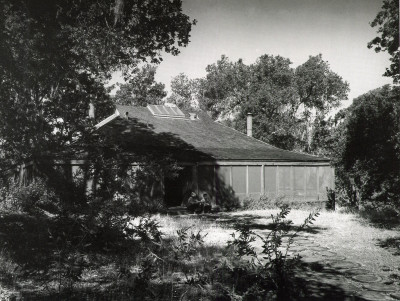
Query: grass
(347,234)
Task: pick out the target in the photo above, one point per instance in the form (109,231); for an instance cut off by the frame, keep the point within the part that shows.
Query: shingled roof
(203,134)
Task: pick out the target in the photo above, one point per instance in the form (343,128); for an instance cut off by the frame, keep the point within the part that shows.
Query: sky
(295,29)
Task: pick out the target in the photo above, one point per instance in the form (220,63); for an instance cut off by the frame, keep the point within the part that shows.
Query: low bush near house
(380,215)
(31,199)
(266,201)
(331,202)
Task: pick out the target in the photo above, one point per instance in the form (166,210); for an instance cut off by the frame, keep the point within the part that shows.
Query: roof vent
(170,111)
(193,116)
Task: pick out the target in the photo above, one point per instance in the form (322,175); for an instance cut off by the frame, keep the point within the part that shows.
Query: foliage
(387,21)
(242,244)
(272,201)
(141,89)
(367,157)
(147,229)
(32,199)
(185,92)
(331,203)
(9,270)
(187,244)
(275,270)
(57,56)
(289,105)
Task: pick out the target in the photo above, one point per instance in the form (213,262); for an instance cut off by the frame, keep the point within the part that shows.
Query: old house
(217,159)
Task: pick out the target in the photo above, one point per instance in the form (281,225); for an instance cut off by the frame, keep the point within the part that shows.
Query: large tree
(367,146)
(387,21)
(141,89)
(287,104)
(57,55)
(186,92)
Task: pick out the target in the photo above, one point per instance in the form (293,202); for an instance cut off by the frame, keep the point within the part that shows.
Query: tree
(56,57)
(319,90)
(387,21)
(185,92)
(142,88)
(284,101)
(224,87)
(367,153)
(269,96)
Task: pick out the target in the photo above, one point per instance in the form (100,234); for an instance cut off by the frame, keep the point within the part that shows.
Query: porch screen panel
(223,176)
(311,181)
(270,179)
(325,178)
(206,179)
(239,179)
(285,180)
(298,180)
(222,179)
(254,179)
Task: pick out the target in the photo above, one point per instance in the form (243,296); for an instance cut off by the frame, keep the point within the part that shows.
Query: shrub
(267,201)
(274,275)
(9,270)
(31,199)
(187,243)
(366,155)
(331,202)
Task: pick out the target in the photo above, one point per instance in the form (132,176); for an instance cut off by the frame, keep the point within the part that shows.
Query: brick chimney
(249,125)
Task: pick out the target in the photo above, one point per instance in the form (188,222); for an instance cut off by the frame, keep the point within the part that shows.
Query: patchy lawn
(346,233)
(350,237)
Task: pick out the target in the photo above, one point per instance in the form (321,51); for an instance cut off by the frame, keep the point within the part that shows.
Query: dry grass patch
(216,233)
(347,234)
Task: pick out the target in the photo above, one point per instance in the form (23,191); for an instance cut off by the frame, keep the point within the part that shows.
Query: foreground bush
(102,252)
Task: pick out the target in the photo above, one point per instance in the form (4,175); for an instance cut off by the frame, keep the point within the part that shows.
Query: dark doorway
(177,190)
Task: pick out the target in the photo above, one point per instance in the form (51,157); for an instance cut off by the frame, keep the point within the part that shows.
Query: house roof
(139,128)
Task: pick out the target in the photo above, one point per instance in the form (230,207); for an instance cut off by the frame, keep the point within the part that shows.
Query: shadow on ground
(253,222)
(392,244)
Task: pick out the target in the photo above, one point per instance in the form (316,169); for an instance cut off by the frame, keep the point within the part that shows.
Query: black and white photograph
(205,150)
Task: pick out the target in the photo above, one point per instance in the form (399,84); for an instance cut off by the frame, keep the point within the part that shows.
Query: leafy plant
(367,156)
(331,203)
(147,229)
(242,243)
(187,243)
(274,267)
(34,198)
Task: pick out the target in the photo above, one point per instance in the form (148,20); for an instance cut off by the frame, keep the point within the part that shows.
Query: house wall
(221,180)
(297,181)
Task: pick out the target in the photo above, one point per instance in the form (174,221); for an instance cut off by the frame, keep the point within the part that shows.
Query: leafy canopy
(387,21)
(57,55)
(287,104)
(185,91)
(368,149)
(141,89)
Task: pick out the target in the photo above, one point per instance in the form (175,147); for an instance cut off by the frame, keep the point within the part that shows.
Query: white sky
(295,29)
